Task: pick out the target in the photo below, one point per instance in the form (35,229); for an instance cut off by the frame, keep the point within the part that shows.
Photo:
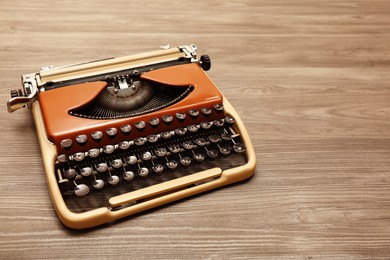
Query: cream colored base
(146,198)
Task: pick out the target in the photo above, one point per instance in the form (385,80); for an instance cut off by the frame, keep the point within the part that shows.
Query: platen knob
(205,62)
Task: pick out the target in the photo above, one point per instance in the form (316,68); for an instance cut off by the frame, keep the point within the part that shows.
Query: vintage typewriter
(123,135)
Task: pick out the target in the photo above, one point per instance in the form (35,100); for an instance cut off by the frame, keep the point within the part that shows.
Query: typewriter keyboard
(131,161)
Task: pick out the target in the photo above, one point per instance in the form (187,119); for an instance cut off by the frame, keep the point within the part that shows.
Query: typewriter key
(66,143)
(218,107)
(199,157)
(154,121)
(205,125)
(152,138)
(98,184)
(185,161)
(160,152)
(70,173)
(146,156)
(226,136)
(131,159)
(86,171)
(188,145)
(108,149)
(206,111)
(225,150)
(200,141)
(111,131)
(97,135)
(62,158)
(158,168)
(125,128)
(79,156)
(239,147)
(93,153)
(192,128)
(212,153)
(124,145)
(143,172)
(166,135)
(140,125)
(117,163)
(81,139)
(172,164)
(180,131)
(128,175)
(174,148)
(181,116)
(167,119)
(193,112)
(102,167)
(139,141)
(218,122)
(113,180)
(214,138)
(81,190)
(229,120)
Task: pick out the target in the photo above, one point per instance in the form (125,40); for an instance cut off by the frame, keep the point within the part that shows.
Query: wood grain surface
(310,80)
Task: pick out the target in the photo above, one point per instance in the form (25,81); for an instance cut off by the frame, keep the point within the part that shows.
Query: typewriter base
(136,201)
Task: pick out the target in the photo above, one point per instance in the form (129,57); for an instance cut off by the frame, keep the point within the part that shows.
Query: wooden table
(310,80)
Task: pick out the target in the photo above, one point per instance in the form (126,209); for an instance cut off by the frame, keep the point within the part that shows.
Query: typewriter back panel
(61,125)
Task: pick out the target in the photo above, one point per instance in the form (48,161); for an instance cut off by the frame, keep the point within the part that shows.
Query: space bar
(165,187)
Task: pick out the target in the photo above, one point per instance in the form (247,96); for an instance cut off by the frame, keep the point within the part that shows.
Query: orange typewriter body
(124,135)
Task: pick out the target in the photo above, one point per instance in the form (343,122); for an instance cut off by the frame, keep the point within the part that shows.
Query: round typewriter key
(205,125)
(188,145)
(152,138)
(218,122)
(229,120)
(214,138)
(166,135)
(199,157)
(131,159)
(158,168)
(128,175)
(101,167)
(140,125)
(154,121)
(218,107)
(62,158)
(139,141)
(108,149)
(180,131)
(125,128)
(226,137)
(180,116)
(143,172)
(193,112)
(161,152)
(117,163)
(192,128)
(174,148)
(81,190)
(98,184)
(79,156)
(97,135)
(70,173)
(172,164)
(200,141)
(167,119)
(185,161)
(225,150)
(206,111)
(212,154)
(113,180)
(146,156)
(239,148)
(66,143)
(81,139)
(86,171)
(124,145)
(111,131)
(93,153)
